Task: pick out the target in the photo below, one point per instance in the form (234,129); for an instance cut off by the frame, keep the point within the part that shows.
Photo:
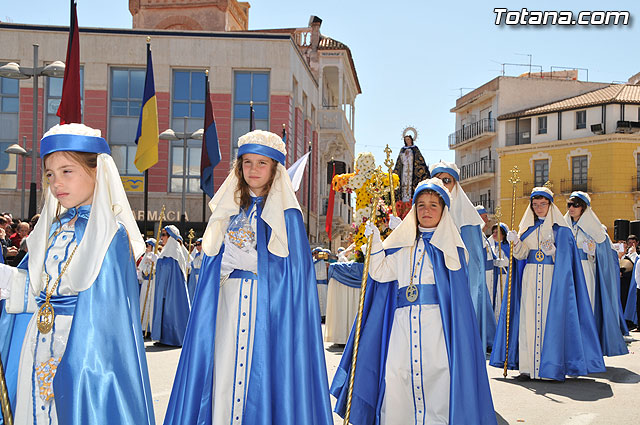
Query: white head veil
(109,209)
(554,216)
(446,237)
(588,221)
(281,197)
(464,213)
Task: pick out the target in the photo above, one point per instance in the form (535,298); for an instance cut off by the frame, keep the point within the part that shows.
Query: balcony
(488,204)
(486,127)
(571,185)
(477,170)
(519,138)
(334,119)
(527,187)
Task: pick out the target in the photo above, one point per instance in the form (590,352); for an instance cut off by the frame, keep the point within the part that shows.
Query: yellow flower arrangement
(358,182)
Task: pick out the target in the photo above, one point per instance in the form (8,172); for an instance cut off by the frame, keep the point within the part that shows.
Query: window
(53,95)
(542,125)
(541,172)
(187,101)
(581,119)
(249,86)
(579,172)
(9,105)
(127,86)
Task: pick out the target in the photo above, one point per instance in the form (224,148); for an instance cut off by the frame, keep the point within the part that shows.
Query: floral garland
(358,182)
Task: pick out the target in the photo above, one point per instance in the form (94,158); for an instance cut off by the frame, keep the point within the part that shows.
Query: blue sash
(531,258)
(427,294)
(62,304)
(242,274)
(583,255)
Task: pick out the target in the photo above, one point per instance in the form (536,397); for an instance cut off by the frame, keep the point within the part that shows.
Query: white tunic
(320,267)
(235,324)
(41,353)
(342,308)
(536,288)
(588,264)
(417,367)
(147,291)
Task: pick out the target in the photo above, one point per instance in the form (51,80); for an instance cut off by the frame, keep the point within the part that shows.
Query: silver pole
(24,166)
(33,202)
(184,175)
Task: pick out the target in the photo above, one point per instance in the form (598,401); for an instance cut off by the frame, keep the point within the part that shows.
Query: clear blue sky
(412,57)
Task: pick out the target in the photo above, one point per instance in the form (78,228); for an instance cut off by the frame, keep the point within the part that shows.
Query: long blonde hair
(242,189)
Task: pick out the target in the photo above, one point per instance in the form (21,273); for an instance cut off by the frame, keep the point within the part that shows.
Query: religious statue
(411,168)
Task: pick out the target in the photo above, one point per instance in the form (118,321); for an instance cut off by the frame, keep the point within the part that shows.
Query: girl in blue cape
(469,224)
(420,356)
(171,306)
(500,248)
(253,351)
(552,332)
(82,358)
(601,269)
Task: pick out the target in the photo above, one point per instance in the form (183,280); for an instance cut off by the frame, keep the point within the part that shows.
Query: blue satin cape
(609,322)
(630,311)
(103,375)
(571,345)
(469,398)
(473,241)
(348,274)
(171,306)
(288,382)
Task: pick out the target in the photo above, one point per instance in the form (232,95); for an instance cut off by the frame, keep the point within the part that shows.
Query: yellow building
(589,142)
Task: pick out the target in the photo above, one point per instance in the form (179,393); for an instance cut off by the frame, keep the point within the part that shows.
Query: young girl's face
(256,170)
(69,181)
(428,209)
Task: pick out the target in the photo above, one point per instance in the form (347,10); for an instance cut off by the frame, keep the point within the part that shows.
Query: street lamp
(170,134)
(18,72)
(18,150)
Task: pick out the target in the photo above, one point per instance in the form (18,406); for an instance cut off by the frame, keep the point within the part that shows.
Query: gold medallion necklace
(412,290)
(46,315)
(539,253)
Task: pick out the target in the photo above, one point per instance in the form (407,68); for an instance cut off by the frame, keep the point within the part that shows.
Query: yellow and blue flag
(147,135)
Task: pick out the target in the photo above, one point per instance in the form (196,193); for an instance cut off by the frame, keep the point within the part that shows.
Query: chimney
(314,24)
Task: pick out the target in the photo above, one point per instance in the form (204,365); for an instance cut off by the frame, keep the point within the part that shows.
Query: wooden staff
(375,189)
(151,273)
(514,179)
(498,216)
(389,163)
(4,398)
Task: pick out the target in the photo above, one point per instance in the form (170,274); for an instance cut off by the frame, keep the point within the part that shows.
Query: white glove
(501,262)
(394,221)
(139,274)
(236,258)
(370,228)
(512,236)
(589,246)
(548,247)
(5,284)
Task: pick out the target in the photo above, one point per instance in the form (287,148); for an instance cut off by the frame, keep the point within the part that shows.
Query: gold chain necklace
(412,290)
(46,314)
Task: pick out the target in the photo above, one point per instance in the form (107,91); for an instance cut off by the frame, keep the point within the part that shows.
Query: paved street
(612,397)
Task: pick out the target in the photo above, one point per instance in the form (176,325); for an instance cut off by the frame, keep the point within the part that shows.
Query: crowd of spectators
(13,237)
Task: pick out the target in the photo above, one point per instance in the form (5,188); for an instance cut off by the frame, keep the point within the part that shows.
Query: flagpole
(309,161)
(146,172)
(146,201)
